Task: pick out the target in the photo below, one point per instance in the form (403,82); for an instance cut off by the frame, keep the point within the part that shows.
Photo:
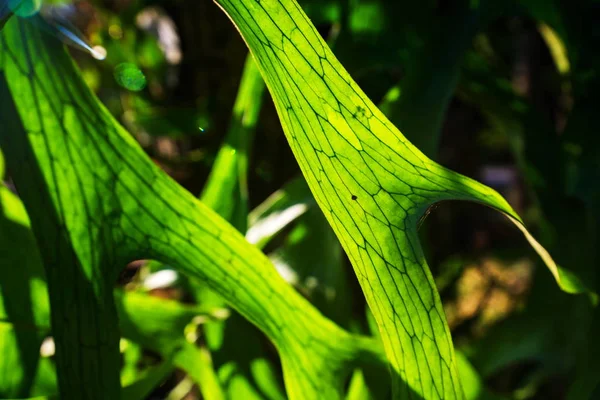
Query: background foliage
(504,92)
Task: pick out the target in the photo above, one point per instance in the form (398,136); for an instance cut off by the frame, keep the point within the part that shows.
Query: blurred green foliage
(504,92)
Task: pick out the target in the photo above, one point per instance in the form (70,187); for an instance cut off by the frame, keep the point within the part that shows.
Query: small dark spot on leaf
(360,112)
(354,197)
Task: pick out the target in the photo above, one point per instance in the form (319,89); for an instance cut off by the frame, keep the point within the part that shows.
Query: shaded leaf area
(304,248)
(157,324)
(226,190)
(24,308)
(311,258)
(244,366)
(276,212)
(97,202)
(372,185)
(143,387)
(317,272)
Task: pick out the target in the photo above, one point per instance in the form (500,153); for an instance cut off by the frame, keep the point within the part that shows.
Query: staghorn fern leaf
(97,202)
(373,186)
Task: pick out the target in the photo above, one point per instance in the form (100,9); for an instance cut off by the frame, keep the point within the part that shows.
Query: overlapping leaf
(24,309)
(242,365)
(97,202)
(155,323)
(373,186)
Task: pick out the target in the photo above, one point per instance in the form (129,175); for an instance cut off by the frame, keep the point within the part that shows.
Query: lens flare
(52,19)
(130,77)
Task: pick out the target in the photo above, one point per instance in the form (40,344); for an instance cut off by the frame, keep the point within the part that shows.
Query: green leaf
(226,190)
(156,323)
(310,257)
(159,324)
(242,364)
(1,166)
(141,388)
(372,185)
(45,378)
(358,388)
(97,202)
(45,381)
(472,382)
(245,368)
(278,211)
(24,309)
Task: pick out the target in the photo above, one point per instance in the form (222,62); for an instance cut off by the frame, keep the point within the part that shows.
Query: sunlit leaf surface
(97,202)
(373,186)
